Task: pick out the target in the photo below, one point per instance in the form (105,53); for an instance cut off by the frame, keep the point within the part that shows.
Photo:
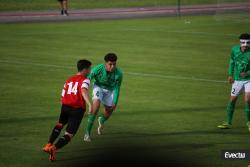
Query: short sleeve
(85,83)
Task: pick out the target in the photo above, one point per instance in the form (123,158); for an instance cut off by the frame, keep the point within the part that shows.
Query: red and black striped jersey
(72,91)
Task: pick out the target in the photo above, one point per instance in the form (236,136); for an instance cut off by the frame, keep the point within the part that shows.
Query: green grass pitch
(171,101)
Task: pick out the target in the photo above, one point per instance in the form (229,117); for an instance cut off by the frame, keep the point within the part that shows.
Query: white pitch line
(142,30)
(175,77)
(129,73)
(178,31)
(34,64)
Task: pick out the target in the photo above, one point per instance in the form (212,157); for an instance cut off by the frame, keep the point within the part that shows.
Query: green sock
(230,112)
(247,110)
(90,122)
(103,119)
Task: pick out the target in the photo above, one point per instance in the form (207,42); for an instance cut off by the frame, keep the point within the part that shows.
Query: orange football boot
(46,147)
(52,152)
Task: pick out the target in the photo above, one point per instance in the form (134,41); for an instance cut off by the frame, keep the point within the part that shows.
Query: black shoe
(65,13)
(62,12)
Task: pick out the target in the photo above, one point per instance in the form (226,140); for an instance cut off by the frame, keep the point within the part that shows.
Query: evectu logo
(235,154)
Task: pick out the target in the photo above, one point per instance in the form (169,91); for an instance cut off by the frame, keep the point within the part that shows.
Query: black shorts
(72,117)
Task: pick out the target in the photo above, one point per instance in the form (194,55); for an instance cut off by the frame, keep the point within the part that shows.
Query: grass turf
(13,5)
(166,117)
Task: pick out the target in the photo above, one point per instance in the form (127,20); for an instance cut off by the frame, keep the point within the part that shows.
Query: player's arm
(85,93)
(117,90)
(231,68)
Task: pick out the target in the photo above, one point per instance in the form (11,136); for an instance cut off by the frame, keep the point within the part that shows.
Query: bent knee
(59,125)
(247,98)
(69,134)
(233,98)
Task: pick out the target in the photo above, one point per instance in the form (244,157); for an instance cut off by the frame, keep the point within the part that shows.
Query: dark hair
(110,57)
(245,36)
(83,64)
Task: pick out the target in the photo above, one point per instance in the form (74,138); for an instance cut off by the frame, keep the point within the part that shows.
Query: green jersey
(107,80)
(239,63)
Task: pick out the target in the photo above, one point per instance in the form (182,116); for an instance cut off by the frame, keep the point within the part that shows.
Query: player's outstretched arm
(231,68)
(85,95)
(231,64)
(117,90)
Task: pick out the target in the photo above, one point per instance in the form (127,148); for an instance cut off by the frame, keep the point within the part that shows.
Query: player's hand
(243,74)
(230,80)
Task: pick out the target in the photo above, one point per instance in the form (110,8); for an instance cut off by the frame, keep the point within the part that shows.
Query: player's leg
(235,92)
(74,121)
(91,119)
(103,118)
(247,104)
(97,99)
(65,7)
(63,119)
(54,134)
(71,129)
(61,6)
(59,144)
(108,103)
(231,108)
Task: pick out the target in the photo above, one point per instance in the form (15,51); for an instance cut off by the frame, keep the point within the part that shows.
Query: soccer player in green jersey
(107,81)
(239,77)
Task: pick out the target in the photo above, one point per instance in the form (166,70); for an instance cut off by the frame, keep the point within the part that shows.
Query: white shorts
(104,95)
(238,86)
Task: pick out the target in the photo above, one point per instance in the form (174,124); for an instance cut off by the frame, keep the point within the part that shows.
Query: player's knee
(94,112)
(233,99)
(96,103)
(59,126)
(108,110)
(247,101)
(66,138)
(69,135)
(247,98)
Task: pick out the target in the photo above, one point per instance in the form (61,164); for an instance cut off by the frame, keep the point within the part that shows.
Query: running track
(89,14)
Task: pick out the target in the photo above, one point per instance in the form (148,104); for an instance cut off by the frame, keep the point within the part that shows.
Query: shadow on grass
(152,112)
(125,149)
(131,155)
(177,133)
(125,135)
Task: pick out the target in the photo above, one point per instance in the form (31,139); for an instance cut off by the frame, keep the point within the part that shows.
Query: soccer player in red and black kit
(74,99)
